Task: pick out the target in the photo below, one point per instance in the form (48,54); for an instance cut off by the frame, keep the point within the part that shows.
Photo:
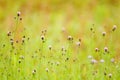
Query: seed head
(63,48)
(106,49)
(80,40)
(24,36)
(11,41)
(34,71)
(17,41)
(50,47)
(103,33)
(23,40)
(20,18)
(18,13)
(19,61)
(114,27)
(96,49)
(109,75)
(9,33)
(70,38)
(43,37)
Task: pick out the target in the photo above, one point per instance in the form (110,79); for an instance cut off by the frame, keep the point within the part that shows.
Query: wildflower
(20,18)
(78,43)
(19,61)
(11,41)
(89,57)
(106,49)
(23,40)
(114,27)
(18,13)
(43,37)
(50,47)
(112,60)
(103,33)
(96,49)
(63,48)
(9,33)
(70,38)
(34,71)
(93,61)
(109,75)
(102,61)
(47,70)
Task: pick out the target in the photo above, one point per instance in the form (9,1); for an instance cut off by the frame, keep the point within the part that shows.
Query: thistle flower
(43,37)
(70,38)
(11,41)
(18,13)
(34,71)
(9,33)
(106,49)
(109,75)
(93,61)
(114,27)
(23,39)
(19,61)
(63,48)
(17,41)
(96,49)
(20,18)
(103,33)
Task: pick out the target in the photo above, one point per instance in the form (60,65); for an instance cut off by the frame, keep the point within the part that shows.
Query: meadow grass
(25,57)
(57,45)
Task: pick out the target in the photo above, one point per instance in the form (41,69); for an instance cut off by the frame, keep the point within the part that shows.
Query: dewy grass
(35,58)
